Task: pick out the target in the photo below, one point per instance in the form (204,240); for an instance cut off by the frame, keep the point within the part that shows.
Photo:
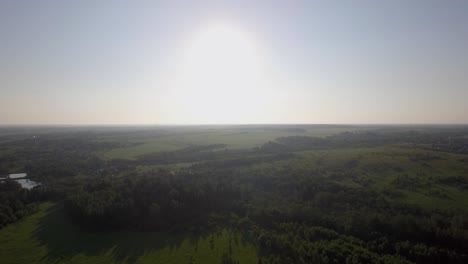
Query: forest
(364,194)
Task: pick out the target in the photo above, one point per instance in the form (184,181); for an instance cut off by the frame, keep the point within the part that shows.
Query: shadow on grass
(65,240)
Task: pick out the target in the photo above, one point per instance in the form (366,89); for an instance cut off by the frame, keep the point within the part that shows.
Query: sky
(233,62)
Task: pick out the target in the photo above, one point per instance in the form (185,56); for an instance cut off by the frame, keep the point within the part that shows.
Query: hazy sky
(177,62)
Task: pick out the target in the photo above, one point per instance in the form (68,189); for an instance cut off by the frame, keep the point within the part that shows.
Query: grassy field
(233,138)
(143,148)
(173,167)
(48,237)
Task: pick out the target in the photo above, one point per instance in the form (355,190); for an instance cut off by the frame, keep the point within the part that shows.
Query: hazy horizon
(117,63)
(243,125)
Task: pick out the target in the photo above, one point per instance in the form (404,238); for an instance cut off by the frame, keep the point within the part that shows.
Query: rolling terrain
(237,194)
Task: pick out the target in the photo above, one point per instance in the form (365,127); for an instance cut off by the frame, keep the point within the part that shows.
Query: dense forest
(296,205)
(15,202)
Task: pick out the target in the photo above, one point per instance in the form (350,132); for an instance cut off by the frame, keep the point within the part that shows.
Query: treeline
(454,145)
(293,217)
(158,202)
(381,220)
(51,156)
(297,243)
(210,156)
(17,202)
(307,234)
(449,141)
(195,153)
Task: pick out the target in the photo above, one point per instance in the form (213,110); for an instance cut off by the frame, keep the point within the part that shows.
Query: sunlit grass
(48,237)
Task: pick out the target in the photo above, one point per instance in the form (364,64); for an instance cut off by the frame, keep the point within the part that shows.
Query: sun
(220,77)
(221,51)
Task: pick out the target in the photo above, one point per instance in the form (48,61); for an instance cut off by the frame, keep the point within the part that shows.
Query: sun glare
(220,77)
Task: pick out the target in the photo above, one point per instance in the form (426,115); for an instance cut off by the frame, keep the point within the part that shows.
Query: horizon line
(232,124)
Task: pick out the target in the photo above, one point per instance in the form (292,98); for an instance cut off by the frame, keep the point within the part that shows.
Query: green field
(48,237)
(234,139)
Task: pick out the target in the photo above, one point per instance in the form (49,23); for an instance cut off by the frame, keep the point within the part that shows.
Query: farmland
(232,137)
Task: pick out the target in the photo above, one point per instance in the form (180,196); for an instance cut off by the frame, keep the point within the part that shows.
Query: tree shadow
(64,240)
